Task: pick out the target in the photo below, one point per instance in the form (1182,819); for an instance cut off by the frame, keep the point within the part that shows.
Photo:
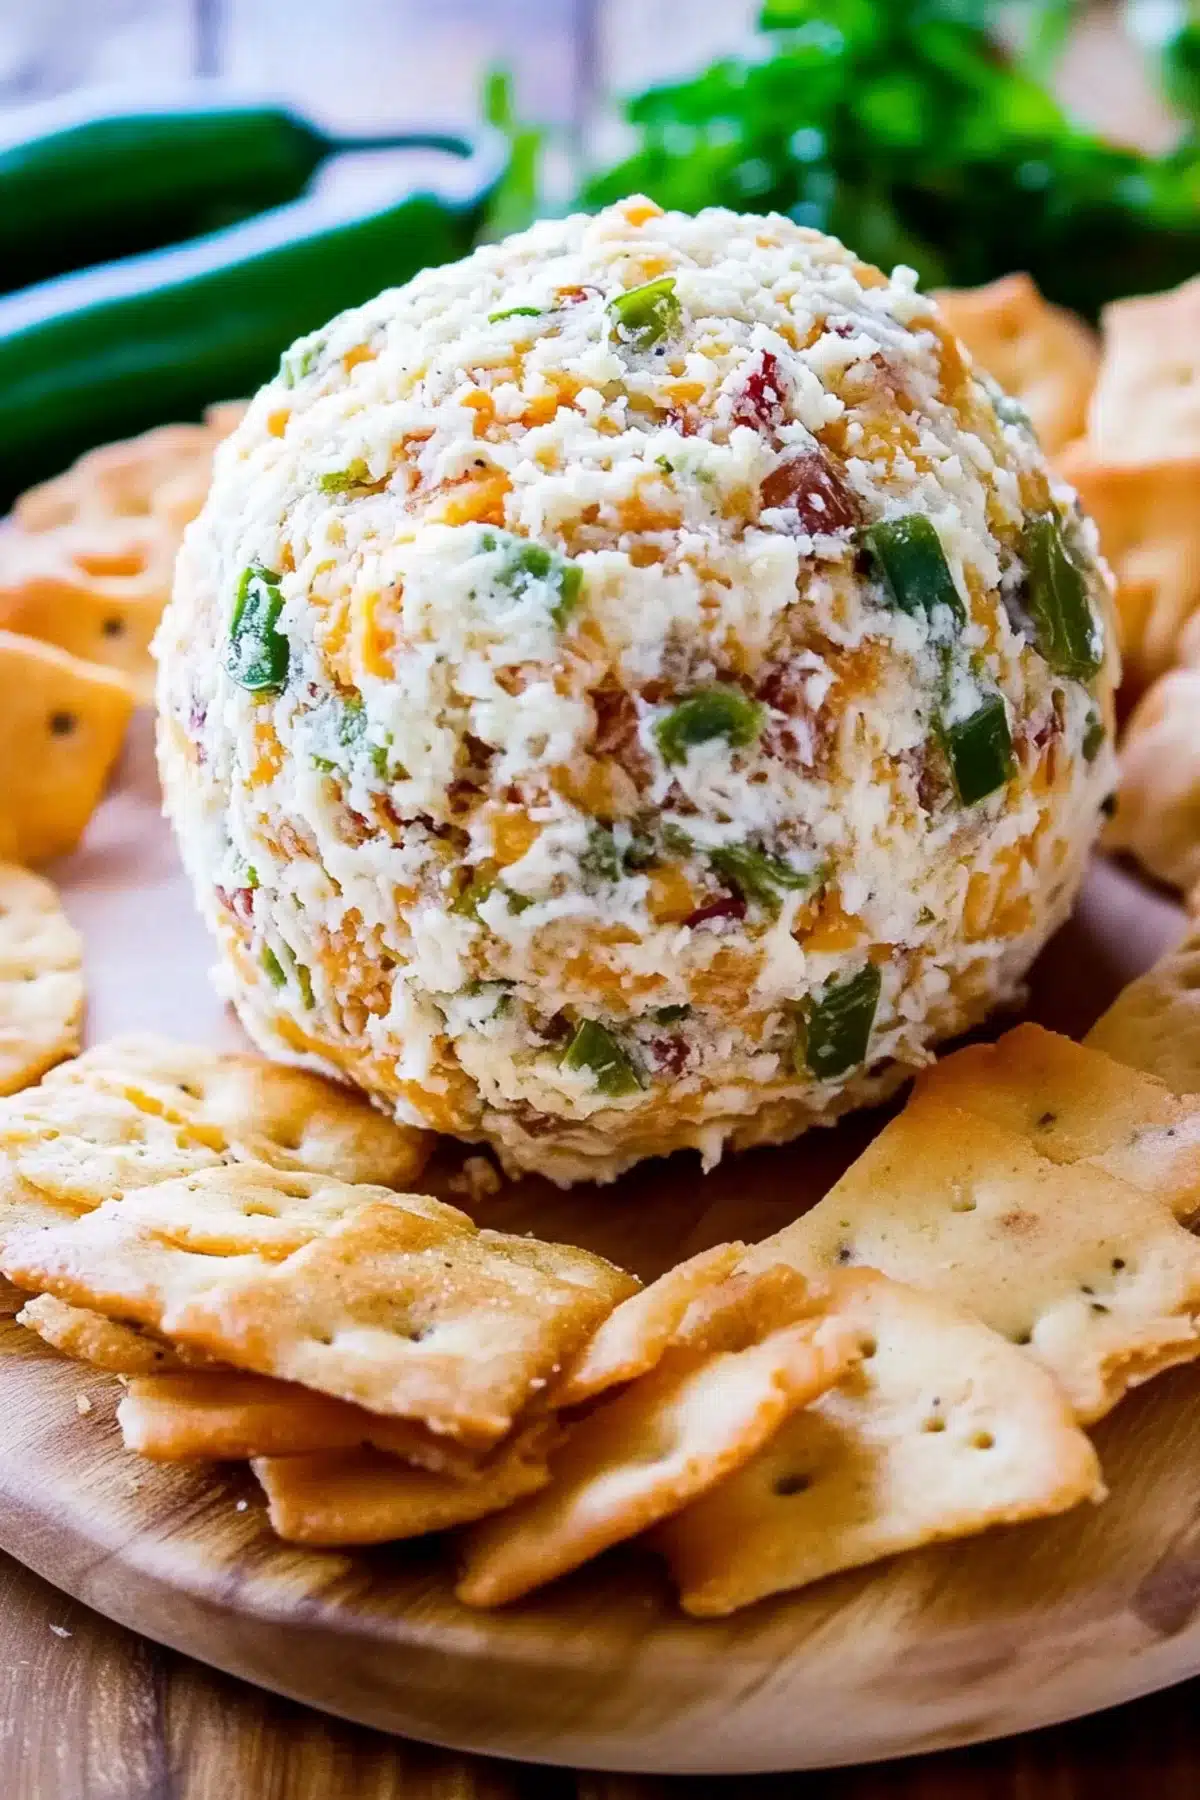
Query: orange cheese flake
(361,353)
(670,898)
(373,641)
(834,929)
(513,834)
(639,211)
(478,502)
(277,422)
(483,406)
(268,758)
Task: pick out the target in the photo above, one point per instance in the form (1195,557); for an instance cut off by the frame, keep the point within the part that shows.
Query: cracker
(62,723)
(1147,400)
(257,1110)
(96,591)
(1075,1104)
(224,1415)
(1042,355)
(163,474)
(1158,802)
(658,1445)
(1149,527)
(1154,1023)
(1092,1274)
(636,1334)
(41,979)
(941,1431)
(364,1497)
(253,1209)
(103,1343)
(407,1311)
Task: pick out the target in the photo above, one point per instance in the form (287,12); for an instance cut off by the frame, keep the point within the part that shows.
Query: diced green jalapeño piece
(273,968)
(1094,735)
(340,481)
(837,1031)
(759,876)
(526,562)
(908,555)
(595,1048)
(713,712)
(514,312)
(980,751)
(256,655)
(1065,628)
(645,315)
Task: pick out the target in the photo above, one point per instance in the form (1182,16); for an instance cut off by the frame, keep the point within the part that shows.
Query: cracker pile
(915,1359)
(86,563)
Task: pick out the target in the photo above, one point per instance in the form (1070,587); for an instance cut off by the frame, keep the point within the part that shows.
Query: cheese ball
(638,687)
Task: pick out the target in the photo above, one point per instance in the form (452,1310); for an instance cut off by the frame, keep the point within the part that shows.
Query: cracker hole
(868,1346)
(1023,1338)
(113,627)
(62,724)
(787,1485)
(1118,1263)
(963,1203)
(983,1440)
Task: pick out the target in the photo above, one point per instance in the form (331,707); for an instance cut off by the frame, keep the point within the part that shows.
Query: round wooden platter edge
(949,1646)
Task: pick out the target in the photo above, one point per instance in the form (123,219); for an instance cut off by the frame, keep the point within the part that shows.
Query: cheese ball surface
(636,687)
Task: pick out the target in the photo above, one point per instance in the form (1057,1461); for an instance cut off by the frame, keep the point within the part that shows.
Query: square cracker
(1093,1275)
(64,1150)
(659,1444)
(942,1430)
(163,474)
(365,1497)
(96,590)
(41,979)
(102,1343)
(224,1415)
(403,1310)
(62,724)
(1146,404)
(1075,1104)
(1149,528)
(259,1110)
(1154,1023)
(1042,355)
(1158,801)
(143,1110)
(638,1332)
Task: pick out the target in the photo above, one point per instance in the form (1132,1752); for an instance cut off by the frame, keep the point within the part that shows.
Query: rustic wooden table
(92,1712)
(89,1711)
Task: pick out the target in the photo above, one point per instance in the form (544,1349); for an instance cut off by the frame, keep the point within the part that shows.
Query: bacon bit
(197,717)
(805,732)
(761,402)
(616,721)
(808,485)
(238,901)
(729,907)
(671,1054)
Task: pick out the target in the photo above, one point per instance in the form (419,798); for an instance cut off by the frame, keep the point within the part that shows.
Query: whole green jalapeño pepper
(102,355)
(78,186)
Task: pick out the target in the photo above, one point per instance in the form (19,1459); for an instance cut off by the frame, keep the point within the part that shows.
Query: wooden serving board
(951,1645)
